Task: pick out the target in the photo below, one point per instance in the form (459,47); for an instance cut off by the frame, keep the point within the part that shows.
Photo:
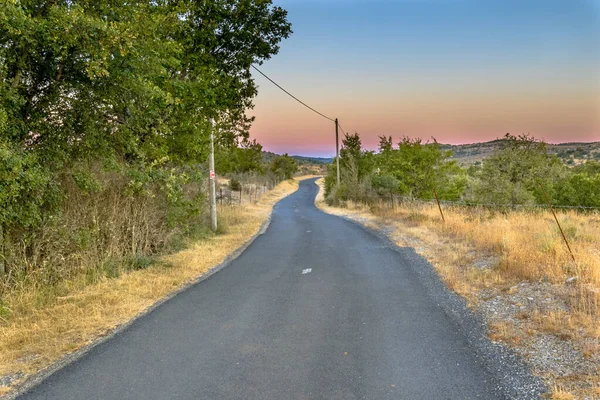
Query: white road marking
(306,271)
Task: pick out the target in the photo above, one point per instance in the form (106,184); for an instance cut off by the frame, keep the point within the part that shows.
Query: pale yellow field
(35,337)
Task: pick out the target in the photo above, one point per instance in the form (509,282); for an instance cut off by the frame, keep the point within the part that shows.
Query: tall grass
(95,234)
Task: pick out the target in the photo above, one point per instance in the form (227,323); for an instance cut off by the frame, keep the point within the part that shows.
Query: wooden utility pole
(212,177)
(337,150)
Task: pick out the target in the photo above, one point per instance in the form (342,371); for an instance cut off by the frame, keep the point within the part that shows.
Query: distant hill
(314,160)
(573,153)
(302,160)
(570,153)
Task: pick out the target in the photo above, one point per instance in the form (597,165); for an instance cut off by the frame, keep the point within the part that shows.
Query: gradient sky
(461,71)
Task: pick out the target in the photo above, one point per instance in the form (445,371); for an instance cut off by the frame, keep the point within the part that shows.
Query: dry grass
(558,393)
(514,247)
(527,246)
(37,335)
(505,331)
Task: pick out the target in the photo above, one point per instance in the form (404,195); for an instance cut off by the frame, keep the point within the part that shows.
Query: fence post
(439,205)
(558,223)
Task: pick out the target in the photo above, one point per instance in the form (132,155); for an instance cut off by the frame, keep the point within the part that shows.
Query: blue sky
(459,70)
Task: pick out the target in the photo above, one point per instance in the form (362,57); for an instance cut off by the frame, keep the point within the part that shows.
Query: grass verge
(514,269)
(34,334)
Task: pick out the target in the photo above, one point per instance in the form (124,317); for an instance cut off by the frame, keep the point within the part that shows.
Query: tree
(228,36)
(355,163)
(284,167)
(418,168)
(513,173)
(580,187)
(136,80)
(245,156)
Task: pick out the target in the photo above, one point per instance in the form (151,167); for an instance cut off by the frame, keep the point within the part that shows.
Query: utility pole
(337,150)
(212,177)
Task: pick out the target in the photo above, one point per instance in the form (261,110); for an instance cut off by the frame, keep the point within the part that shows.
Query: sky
(462,71)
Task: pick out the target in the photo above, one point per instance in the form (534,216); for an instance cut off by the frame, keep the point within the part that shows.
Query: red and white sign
(212,175)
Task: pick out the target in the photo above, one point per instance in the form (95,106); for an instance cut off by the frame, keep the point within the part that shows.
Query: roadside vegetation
(499,247)
(516,175)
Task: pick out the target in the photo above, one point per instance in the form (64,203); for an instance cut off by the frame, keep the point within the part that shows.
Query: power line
(292,96)
(340,126)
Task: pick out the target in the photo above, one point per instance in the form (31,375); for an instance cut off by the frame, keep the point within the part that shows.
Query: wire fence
(234,192)
(395,200)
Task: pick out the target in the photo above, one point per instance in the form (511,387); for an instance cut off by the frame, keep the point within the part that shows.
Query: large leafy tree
(133,79)
(228,36)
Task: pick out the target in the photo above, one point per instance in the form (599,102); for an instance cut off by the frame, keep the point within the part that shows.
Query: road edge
(68,359)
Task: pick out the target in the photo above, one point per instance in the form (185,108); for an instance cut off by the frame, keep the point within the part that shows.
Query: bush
(235,185)
(133,214)
(284,167)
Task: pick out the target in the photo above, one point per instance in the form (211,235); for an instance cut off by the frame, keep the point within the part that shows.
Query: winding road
(317,307)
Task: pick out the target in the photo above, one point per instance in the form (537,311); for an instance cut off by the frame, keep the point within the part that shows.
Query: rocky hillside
(571,153)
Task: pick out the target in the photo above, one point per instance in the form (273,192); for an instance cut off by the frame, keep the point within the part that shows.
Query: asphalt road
(359,325)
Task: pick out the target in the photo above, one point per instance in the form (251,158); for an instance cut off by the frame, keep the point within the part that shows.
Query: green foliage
(355,164)
(419,168)
(581,187)
(330,179)
(514,173)
(284,167)
(579,190)
(240,158)
(27,191)
(235,185)
(73,71)
(104,120)
(412,169)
